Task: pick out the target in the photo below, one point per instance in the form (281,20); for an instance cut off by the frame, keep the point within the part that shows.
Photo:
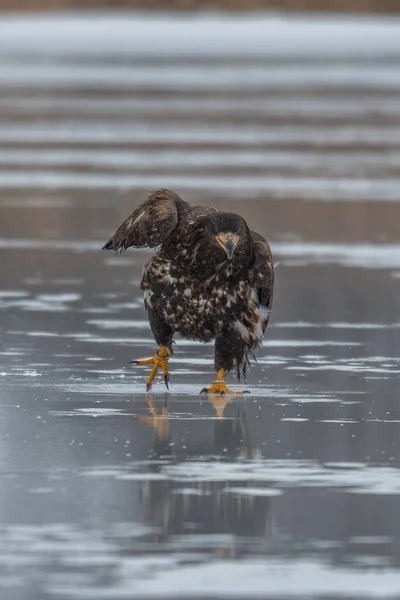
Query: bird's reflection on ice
(207,514)
(158,420)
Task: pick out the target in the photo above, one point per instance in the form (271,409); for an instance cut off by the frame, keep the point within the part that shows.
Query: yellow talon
(219,386)
(160,360)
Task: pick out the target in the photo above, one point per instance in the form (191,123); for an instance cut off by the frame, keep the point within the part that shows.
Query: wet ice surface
(292,491)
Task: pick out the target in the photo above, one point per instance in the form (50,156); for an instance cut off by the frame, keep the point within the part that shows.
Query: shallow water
(290,492)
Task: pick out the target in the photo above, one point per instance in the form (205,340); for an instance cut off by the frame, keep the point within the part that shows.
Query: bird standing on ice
(211,278)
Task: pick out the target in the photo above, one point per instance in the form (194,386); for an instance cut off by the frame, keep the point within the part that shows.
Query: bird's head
(228,232)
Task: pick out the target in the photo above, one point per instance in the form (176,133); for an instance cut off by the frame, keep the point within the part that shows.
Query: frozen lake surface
(290,492)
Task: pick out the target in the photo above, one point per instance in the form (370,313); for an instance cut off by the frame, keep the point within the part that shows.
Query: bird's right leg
(163,335)
(159,360)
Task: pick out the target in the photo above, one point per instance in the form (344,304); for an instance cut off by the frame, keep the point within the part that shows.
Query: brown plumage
(211,278)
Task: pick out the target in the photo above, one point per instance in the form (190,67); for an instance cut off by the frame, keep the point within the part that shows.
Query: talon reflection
(160,423)
(189,510)
(220,403)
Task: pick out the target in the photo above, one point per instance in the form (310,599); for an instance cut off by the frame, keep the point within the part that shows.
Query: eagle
(211,278)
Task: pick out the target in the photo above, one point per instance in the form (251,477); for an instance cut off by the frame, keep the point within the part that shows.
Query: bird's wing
(198,212)
(151,223)
(263,277)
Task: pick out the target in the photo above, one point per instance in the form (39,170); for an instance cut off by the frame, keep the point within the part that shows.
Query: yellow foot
(219,387)
(160,360)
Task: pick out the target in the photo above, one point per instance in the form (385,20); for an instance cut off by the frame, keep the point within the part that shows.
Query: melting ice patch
(213,75)
(304,188)
(307,343)
(352,477)
(147,35)
(12,294)
(40,303)
(21,372)
(332,325)
(370,256)
(90,412)
(134,384)
(249,578)
(355,364)
(119,323)
(59,297)
(41,244)
(271,475)
(253,491)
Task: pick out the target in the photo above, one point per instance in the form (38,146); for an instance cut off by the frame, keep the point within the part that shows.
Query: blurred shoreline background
(345,6)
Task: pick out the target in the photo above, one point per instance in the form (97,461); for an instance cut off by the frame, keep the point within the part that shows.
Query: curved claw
(159,361)
(166,381)
(219,388)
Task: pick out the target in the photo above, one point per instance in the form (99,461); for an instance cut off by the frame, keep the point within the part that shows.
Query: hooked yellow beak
(228,241)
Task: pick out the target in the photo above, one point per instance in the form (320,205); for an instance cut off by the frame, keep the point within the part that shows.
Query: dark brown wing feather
(263,275)
(151,223)
(198,212)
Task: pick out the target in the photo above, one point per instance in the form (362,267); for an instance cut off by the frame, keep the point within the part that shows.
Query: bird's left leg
(229,353)
(219,386)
